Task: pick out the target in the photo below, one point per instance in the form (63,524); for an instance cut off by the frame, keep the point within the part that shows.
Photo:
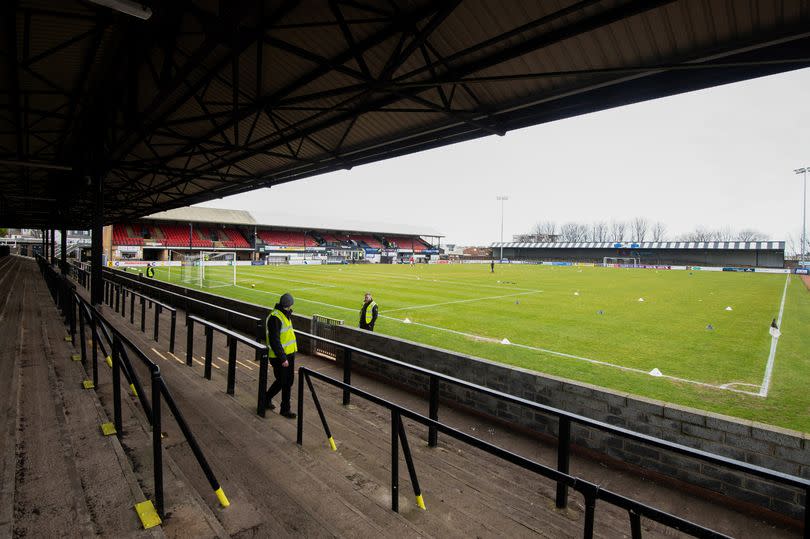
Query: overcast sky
(714,158)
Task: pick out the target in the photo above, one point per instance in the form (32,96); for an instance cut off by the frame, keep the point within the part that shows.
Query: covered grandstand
(163,236)
(764,254)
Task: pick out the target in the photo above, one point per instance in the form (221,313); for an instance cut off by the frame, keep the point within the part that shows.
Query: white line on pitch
(552,352)
(580,358)
(460,301)
(766,381)
(273,277)
(459,283)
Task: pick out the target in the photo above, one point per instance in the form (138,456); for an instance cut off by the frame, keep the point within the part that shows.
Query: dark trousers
(283,382)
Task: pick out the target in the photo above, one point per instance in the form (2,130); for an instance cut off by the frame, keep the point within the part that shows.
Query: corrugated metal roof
(702,245)
(223,97)
(199,214)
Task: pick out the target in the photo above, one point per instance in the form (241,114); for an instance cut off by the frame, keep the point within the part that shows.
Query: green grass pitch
(581,323)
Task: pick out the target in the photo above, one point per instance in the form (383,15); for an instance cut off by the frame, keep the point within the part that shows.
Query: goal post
(619,262)
(217,269)
(204,269)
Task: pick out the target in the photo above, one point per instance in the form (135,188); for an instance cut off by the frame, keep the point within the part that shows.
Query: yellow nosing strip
(76,357)
(88,384)
(223,500)
(147,514)
(109,361)
(68,338)
(108,429)
(420,502)
(332,444)
(134,391)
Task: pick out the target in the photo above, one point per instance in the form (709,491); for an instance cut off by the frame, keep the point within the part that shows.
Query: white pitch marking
(459,301)
(766,381)
(272,277)
(580,358)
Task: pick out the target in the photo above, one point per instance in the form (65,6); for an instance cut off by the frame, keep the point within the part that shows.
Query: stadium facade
(763,254)
(166,237)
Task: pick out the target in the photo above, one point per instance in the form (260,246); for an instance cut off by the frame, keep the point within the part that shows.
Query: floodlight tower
(502,198)
(803,171)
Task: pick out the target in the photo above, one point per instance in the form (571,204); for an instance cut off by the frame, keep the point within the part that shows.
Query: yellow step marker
(76,357)
(332,444)
(109,361)
(134,391)
(108,429)
(223,500)
(421,503)
(68,338)
(88,384)
(147,514)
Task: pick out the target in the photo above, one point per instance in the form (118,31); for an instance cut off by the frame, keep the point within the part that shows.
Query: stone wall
(763,445)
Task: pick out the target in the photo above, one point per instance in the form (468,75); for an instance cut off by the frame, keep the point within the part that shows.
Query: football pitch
(695,338)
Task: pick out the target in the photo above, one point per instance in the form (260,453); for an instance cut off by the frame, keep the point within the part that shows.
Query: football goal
(205,269)
(619,262)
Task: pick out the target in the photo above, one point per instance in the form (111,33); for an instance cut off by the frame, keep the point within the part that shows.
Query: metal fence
(323,326)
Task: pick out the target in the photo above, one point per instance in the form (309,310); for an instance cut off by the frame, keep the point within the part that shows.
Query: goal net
(619,262)
(206,269)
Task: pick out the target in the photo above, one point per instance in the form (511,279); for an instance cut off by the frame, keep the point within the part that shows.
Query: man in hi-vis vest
(281,350)
(368,313)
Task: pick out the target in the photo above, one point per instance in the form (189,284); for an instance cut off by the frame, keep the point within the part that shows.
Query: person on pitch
(368,313)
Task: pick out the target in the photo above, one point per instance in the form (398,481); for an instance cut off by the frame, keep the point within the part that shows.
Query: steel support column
(97,286)
(63,255)
(53,247)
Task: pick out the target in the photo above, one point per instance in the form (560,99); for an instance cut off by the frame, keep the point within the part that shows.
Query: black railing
(591,492)
(118,357)
(117,299)
(565,420)
(233,338)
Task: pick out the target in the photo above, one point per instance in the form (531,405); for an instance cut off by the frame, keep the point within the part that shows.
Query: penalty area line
(460,301)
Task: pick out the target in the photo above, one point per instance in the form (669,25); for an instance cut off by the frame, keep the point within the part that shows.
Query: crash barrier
(564,419)
(115,296)
(233,338)
(62,291)
(591,492)
(248,319)
(118,350)
(323,326)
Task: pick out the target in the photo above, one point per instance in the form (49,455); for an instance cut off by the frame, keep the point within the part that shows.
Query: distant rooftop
(199,214)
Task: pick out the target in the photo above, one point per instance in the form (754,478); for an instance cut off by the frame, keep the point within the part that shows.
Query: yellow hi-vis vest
(369,313)
(286,335)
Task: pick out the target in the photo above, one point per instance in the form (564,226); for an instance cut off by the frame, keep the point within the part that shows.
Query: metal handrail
(233,338)
(590,491)
(119,305)
(566,418)
(119,361)
(255,321)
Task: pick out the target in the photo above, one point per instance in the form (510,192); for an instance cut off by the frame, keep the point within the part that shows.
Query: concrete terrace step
(347,493)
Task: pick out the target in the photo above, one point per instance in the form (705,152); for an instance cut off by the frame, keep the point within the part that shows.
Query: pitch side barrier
(564,418)
(591,492)
(233,338)
(121,349)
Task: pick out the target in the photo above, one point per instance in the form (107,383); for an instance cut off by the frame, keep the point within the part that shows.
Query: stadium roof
(211,98)
(722,245)
(197,214)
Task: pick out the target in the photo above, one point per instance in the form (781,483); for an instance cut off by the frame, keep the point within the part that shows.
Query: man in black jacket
(368,313)
(282,347)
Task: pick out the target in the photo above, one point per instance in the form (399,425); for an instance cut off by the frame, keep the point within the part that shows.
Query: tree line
(637,230)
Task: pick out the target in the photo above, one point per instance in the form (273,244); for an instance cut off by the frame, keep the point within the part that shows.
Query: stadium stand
(122,235)
(286,238)
(369,241)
